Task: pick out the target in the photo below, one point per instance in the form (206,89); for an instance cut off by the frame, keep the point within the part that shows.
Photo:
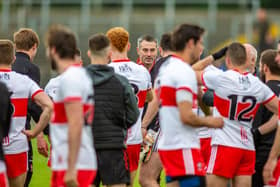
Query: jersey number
(241,115)
(135,90)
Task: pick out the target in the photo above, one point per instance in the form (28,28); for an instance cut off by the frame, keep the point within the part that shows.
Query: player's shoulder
(53,81)
(74,72)
(20,77)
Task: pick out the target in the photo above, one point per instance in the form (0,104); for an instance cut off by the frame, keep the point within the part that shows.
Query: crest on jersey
(244,82)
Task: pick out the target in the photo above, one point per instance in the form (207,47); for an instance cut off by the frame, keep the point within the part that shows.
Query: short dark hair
(237,53)
(63,40)
(7,52)
(268,58)
(25,39)
(98,43)
(147,38)
(165,42)
(183,33)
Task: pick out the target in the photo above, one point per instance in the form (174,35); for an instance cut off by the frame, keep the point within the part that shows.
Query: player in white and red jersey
(22,88)
(52,86)
(140,80)
(73,154)
(5,121)
(176,87)
(237,97)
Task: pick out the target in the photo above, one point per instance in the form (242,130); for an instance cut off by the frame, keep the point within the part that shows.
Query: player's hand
(219,54)
(42,145)
(29,133)
(70,178)
(215,122)
(268,170)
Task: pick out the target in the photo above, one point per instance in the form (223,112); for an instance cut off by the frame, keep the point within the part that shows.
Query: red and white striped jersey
(236,98)
(22,88)
(140,80)
(175,75)
(73,85)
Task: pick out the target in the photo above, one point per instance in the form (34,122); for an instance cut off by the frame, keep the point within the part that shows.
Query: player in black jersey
(265,123)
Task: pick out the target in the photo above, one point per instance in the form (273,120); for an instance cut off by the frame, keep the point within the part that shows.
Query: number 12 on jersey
(242,108)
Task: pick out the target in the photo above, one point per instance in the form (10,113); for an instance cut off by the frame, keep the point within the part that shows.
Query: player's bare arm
(275,150)
(149,96)
(203,63)
(269,125)
(151,111)
(188,117)
(46,104)
(74,113)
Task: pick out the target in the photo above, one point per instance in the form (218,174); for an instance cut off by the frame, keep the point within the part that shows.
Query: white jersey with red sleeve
(237,97)
(22,88)
(73,85)
(174,76)
(140,80)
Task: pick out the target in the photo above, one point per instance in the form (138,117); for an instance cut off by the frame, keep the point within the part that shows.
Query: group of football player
(208,121)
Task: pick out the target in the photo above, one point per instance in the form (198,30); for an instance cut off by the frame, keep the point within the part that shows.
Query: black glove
(219,54)
(208,98)
(256,135)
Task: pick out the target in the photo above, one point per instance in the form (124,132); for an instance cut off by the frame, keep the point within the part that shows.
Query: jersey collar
(5,70)
(244,73)
(175,56)
(121,60)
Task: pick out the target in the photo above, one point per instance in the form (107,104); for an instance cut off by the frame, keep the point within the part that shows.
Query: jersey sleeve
(184,85)
(71,88)
(50,89)
(210,78)
(268,94)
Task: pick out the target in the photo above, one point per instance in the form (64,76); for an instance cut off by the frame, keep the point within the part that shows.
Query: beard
(262,75)
(194,58)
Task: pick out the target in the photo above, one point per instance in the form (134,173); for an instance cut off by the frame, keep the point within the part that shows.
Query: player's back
(175,75)
(22,88)
(73,85)
(137,75)
(140,80)
(237,98)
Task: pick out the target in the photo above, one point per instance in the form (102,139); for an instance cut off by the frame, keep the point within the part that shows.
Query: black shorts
(113,167)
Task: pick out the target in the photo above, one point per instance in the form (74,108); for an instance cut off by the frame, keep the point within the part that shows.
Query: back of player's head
(165,42)
(147,38)
(237,54)
(99,45)
(183,34)
(25,39)
(268,57)
(63,40)
(7,52)
(118,37)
